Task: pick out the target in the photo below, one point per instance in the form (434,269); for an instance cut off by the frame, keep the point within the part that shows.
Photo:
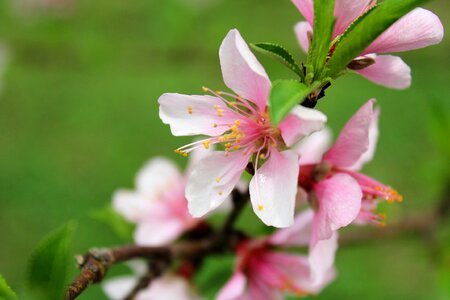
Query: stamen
(190,110)
(206,144)
(260,207)
(218,179)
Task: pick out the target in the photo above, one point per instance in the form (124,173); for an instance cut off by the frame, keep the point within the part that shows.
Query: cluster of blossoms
(300,185)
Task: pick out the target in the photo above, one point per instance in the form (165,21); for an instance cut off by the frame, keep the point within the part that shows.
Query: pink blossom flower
(420,28)
(158,206)
(169,286)
(337,192)
(263,272)
(241,125)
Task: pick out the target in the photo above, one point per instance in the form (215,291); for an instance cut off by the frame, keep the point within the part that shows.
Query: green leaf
(365,30)
(213,274)
(284,96)
(49,264)
(280,54)
(5,291)
(323,32)
(115,221)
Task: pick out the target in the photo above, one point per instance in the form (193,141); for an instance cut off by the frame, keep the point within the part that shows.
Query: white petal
(273,189)
(158,175)
(168,287)
(131,205)
(119,287)
(194,115)
(213,179)
(313,147)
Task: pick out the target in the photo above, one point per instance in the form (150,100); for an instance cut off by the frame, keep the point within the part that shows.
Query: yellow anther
(221,139)
(234,128)
(217,179)
(185,154)
(205,89)
(220,193)
(227,145)
(219,92)
(216,106)
(190,110)
(262,156)
(232,104)
(206,144)
(215,125)
(237,147)
(237,122)
(260,207)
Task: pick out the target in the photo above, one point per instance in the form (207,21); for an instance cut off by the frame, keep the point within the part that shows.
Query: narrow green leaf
(5,291)
(323,33)
(49,265)
(365,30)
(280,54)
(284,96)
(115,221)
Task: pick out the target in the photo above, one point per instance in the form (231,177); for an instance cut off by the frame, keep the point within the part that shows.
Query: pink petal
(273,189)
(306,8)
(321,260)
(303,31)
(418,29)
(296,235)
(301,122)
(346,12)
(339,204)
(242,72)
(194,115)
(212,180)
(373,139)
(389,71)
(234,288)
(156,176)
(353,141)
(313,147)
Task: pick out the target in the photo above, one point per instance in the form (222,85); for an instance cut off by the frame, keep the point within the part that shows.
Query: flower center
(249,129)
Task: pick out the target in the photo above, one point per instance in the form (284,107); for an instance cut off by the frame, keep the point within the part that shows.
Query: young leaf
(323,33)
(49,265)
(365,30)
(115,221)
(5,291)
(284,96)
(280,54)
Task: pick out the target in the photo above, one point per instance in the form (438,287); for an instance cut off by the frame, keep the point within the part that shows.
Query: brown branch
(96,262)
(155,269)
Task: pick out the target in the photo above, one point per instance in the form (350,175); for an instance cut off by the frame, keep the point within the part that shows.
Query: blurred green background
(79,116)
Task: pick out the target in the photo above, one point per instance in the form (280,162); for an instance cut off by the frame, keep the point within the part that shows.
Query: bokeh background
(79,84)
